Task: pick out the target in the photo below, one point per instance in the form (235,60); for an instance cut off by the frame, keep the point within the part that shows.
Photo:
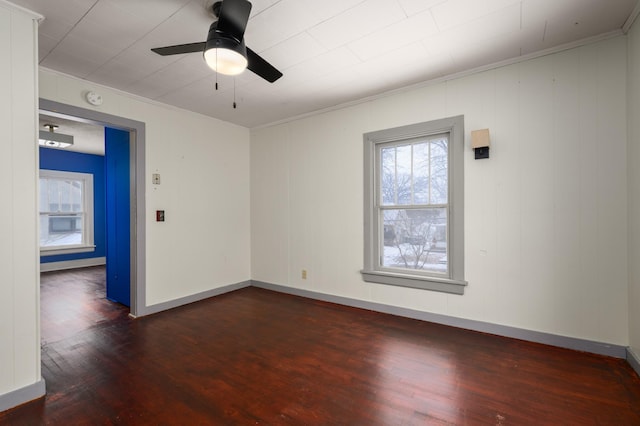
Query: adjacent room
(341,212)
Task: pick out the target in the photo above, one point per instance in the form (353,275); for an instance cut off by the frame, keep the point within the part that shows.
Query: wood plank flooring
(73,301)
(258,357)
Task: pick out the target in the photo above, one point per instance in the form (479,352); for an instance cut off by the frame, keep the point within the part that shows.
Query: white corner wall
(204,190)
(19,278)
(633,164)
(545,216)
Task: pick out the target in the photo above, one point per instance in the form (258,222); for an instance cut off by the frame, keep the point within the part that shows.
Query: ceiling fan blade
(180,48)
(234,15)
(261,67)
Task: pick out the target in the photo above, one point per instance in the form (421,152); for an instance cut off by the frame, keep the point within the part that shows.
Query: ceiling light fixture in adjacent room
(50,139)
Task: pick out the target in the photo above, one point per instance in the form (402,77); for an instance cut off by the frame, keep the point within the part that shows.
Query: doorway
(130,261)
(85,201)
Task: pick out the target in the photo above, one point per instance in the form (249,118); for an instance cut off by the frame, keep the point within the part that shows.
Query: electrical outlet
(304,274)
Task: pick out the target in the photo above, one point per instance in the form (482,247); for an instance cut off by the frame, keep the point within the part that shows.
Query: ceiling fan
(225,51)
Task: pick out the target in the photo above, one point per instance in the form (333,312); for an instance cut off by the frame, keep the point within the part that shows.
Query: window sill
(53,251)
(443,285)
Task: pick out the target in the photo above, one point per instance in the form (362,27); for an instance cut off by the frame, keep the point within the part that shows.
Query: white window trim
(372,272)
(88,244)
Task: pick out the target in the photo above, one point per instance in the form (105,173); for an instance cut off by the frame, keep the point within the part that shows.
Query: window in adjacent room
(414,185)
(66,212)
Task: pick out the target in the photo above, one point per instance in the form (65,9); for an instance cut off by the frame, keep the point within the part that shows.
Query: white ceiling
(330,51)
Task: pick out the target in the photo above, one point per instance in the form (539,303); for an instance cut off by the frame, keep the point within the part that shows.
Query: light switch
(159,215)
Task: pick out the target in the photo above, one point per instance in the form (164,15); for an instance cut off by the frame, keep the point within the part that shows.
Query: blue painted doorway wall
(118,208)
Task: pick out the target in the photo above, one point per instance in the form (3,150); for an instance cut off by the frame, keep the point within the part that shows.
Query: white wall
(204,190)
(546,215)
(634,186)
(19,278)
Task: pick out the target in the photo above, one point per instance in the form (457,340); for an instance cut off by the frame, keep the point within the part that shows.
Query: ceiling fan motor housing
(220,40)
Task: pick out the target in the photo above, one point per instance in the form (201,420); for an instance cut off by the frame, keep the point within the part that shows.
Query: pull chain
(234,93)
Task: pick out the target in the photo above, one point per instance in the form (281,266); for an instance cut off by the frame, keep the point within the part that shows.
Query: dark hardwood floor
(73,301)
(258,357)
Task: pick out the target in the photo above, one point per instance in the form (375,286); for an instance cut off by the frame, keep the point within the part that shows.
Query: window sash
(427,140)
(422,254)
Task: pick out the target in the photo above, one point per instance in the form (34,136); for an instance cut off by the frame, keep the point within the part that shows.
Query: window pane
(54,196)
(403,174)
(415,239)
(60,230)
(387,178)
(421,173)
(76,196)
(439,172)
(65,196)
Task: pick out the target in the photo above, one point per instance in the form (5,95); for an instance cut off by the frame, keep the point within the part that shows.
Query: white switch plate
(156,178)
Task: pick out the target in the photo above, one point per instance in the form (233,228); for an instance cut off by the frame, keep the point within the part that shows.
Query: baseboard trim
(583,345)
(153,309)
(72,264)
(634,360)
(573,343)
(22,395)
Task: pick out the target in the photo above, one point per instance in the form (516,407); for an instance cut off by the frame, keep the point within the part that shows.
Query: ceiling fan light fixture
(225,61)
(223,53)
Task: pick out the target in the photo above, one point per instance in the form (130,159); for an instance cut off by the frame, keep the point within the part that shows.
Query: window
(414,221)
(66,212)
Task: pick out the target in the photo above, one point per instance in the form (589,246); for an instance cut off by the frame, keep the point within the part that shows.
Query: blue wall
(57,159)
(116,149)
